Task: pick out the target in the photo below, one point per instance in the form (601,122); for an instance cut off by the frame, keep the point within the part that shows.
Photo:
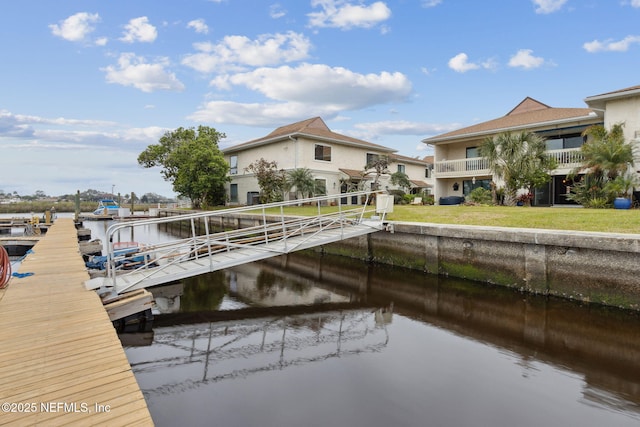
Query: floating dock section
(61,362)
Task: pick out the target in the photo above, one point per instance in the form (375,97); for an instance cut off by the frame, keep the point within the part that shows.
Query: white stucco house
(458,168)
(336,161)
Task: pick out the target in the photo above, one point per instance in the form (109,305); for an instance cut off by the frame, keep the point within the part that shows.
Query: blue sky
(85,86)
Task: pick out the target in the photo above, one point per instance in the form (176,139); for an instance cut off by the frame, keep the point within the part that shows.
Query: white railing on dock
(204,251)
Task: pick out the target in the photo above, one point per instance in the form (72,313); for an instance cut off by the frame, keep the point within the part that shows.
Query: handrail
(272,228)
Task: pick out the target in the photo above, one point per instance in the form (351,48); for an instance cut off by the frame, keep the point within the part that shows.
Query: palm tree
(519,160)
(606,153)
(303,181)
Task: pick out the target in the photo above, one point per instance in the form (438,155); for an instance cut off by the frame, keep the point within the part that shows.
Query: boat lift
(204,252)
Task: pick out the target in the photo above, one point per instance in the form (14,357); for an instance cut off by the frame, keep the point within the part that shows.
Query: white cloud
(323,85)
(199,26)
(635,3)
(235,52)
(303,91)
(430,3)
(611,46)
(139,30)
(276,11)
(133,71)
(60,132)
(524,59)
(460,63)
(404,127)
(76,27)
(345,15)
(548,6)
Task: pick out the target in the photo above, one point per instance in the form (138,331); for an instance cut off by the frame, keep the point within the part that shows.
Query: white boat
(107,207)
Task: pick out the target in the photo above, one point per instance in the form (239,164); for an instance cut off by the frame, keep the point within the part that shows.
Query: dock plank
(58,344)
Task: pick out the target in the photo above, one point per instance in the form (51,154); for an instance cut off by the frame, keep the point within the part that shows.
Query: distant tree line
(87,196)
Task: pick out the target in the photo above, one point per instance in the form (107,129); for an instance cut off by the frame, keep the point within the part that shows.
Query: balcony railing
(462,167)
(568,158)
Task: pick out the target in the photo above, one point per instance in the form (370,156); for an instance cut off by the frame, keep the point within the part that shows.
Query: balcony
(566,159)
(462,167)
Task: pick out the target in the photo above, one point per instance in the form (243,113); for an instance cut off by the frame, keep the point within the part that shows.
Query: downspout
(295,151)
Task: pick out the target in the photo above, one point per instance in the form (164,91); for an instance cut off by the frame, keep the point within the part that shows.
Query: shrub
(481,196)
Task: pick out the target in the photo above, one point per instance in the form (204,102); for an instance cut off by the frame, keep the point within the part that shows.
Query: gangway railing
(204,251)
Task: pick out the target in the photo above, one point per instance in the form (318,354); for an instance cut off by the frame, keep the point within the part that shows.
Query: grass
(576,219)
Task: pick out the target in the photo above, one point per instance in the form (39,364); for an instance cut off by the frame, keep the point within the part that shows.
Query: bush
(481,196)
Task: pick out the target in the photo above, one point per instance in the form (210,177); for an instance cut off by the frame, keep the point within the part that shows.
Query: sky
(86,85)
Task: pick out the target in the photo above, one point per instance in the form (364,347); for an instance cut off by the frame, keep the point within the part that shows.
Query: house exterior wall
(294,153)
(450,151)
(627,111)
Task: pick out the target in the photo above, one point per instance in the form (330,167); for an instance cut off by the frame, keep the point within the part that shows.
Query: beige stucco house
(336,161)
(458,168)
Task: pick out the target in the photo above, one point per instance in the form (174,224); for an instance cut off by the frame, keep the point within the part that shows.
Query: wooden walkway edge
(61,362)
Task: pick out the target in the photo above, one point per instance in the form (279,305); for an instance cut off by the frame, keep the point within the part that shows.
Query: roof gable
(314,128)
(528,114)
(526,105)
(314,123)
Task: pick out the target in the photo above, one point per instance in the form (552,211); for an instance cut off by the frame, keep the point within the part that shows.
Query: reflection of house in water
(600,345)
(256,285)
(167,298)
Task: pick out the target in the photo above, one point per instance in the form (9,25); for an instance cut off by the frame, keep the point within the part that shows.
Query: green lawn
(607,220)
(580,219)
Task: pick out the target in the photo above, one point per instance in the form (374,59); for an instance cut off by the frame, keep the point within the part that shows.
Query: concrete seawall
(603,268)
(593,267)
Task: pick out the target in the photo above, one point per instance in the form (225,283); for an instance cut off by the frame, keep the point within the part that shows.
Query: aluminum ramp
(200,254)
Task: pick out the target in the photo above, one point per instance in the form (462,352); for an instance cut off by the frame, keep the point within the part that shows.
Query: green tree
(379,165)
(192,162)
(272,182)
(519,160)
(605,172)
(606,153)
(302,180)
(401,179)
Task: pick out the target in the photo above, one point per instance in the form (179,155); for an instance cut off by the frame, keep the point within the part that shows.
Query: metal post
(264,224)
(284,227)
(193,236)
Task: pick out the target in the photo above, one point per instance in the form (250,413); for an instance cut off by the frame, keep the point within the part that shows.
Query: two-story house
(336,161)
(458,167)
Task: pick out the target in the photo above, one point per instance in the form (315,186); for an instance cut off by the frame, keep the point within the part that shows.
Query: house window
(472,152)
(401,169)
(320,187)
(372,158)
(233,193)
(564,142)
(427,172)
(323,152)
(468,185)
(233,165)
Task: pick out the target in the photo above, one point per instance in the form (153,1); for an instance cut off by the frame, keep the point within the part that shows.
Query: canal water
(312,340)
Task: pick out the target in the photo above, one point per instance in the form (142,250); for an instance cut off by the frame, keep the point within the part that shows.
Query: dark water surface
(310,340)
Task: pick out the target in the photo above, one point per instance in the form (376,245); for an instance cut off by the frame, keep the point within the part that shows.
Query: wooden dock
(61,362)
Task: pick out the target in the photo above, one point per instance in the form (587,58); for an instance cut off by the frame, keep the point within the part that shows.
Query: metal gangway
(205,251)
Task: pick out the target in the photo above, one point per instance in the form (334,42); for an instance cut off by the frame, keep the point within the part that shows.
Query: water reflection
(312,340)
